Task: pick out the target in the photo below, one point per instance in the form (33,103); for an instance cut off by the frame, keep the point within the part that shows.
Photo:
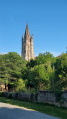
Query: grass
(44,108)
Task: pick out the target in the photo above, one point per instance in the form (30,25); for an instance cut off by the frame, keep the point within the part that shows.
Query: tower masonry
(27,45)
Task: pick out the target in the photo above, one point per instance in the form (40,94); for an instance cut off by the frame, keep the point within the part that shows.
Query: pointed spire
(27,31)
(22,36)
(27,27)
(32,36)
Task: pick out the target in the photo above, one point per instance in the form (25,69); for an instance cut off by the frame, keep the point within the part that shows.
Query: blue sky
(47,21)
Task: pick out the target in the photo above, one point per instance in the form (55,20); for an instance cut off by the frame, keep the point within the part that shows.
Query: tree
(39,78)
(61,72)
(10,68)
(44,58)
(20,85)
(31,63)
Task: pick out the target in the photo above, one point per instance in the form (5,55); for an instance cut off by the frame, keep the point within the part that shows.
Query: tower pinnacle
(27,31)
(27,45)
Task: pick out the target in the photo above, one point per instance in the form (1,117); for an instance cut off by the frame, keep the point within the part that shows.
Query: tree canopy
(46,72)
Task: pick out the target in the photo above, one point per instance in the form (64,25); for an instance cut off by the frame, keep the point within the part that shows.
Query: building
(27,45)
(3,86)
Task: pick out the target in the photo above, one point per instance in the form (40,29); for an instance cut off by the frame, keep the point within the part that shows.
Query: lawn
(44,108)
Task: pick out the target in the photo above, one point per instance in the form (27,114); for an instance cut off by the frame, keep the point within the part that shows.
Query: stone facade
(51,98)
(27,45)
(40,97)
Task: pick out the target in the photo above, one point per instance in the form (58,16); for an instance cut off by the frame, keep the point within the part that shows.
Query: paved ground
(8,111)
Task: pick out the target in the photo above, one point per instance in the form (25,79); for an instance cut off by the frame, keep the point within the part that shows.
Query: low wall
(20,96)
(57,98)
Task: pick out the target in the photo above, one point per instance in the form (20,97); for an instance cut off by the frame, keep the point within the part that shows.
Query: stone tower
(27,45)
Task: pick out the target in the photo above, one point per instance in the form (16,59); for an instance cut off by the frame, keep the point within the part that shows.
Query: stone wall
(46,96)
(57,98)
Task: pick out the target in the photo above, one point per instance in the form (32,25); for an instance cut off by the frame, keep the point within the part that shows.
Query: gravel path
(8,111)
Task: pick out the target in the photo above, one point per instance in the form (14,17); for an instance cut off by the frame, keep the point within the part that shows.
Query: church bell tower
(27,45)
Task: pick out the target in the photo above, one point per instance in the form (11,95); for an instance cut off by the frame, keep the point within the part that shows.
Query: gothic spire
(22,36)
(27,31)
(27,45)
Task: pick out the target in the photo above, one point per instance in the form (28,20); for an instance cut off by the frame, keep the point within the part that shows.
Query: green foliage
(20,85)
(44,58)
(31,63)
(61,72)
(10,68)
(44,73)
(40,77)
